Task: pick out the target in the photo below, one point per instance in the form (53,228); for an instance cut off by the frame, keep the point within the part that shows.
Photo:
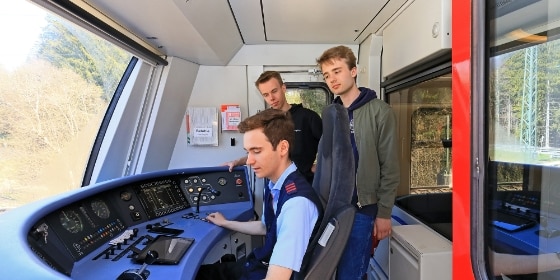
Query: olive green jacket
(377,176)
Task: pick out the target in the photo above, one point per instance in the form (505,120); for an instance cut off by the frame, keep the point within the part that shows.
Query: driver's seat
(334,183)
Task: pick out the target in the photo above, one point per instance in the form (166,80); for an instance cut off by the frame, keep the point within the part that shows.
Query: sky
(20,24)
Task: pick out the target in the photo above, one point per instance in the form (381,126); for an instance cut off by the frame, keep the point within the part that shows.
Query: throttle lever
(142,273)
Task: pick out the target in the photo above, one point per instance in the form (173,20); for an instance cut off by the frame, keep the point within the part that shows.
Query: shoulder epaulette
(291,187)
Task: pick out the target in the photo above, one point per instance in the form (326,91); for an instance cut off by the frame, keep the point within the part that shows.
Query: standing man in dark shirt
(308,124)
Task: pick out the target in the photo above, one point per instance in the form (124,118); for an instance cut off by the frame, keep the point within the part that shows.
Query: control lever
(142,273)
(209,188)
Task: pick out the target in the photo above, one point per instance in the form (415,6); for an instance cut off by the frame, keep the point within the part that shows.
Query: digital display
(510,222)
(161,198)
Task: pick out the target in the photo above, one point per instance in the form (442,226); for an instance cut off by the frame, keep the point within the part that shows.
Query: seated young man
(291,208)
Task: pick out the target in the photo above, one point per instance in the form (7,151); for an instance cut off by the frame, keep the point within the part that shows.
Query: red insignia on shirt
(291,188)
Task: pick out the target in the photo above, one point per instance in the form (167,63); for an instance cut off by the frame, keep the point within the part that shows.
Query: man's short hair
(266,76)
(339,52)
(276,126)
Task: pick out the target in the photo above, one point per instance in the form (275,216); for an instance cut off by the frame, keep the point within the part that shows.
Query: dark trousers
(251,269)
(218,271)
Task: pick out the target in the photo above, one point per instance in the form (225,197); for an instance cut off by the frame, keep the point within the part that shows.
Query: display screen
(161,198)
(511,223)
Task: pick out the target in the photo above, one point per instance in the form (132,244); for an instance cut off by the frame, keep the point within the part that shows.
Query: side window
(55,87)
(314,96)
(522,140)
(423,112)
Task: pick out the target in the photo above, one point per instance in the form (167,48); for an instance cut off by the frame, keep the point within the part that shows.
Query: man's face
(261,156)
(338,77)
(273,93)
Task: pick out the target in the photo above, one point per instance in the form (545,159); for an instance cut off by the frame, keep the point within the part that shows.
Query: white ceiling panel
(248,16)
(211,32)
(318,21)
(216,25)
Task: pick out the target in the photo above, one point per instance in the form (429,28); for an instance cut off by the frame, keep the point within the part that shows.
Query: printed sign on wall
(231,117)
(202,126)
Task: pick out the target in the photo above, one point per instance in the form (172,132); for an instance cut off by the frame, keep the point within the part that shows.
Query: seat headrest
(335,173)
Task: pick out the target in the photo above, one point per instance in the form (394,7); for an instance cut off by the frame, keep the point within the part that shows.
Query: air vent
(503,3)
(503,7)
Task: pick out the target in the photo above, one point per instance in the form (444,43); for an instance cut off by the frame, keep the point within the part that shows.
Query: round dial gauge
(222,181)
(70,221)
(100,209)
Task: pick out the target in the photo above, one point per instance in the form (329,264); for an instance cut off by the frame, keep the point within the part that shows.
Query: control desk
(518,224)
(521,226)
(112,229)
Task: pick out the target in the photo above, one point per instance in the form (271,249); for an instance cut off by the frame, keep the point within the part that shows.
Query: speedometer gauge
(71,221)
(99,207)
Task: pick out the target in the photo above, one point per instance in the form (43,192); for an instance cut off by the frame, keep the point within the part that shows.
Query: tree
(42,110)
(50,111)
(97,61)
(508,88)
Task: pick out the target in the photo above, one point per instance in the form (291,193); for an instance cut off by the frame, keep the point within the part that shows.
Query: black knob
(214,191)
(151,257)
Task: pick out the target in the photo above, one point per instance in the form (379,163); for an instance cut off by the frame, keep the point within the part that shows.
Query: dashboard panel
(84,226)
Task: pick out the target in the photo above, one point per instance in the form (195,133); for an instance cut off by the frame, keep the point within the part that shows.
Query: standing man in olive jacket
(373,133)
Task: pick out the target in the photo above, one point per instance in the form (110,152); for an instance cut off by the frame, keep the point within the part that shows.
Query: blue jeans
(354,262)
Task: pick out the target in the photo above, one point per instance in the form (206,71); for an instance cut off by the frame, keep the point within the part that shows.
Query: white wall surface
(254,98)
(170,104)
(421,32)
(214,86)
(369,63)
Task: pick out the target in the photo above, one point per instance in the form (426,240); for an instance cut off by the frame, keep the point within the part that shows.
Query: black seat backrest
(334,182)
